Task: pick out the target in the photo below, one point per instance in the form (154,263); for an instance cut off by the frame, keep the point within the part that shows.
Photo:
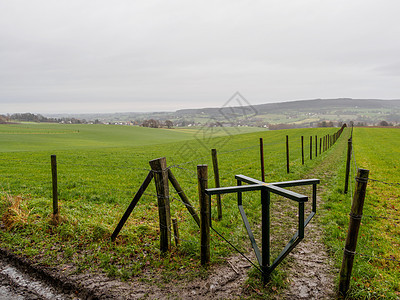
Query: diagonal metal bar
(250,234)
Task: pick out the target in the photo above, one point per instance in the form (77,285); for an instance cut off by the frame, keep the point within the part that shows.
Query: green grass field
(42,136)
(376,266)
(101,167)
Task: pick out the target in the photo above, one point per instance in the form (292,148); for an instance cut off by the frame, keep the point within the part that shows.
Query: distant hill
(301,113)
(305,105)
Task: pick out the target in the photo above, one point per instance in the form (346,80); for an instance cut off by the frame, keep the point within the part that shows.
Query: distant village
(153,123)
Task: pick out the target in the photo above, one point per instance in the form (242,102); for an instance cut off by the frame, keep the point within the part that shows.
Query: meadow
(376,266)
(101,167)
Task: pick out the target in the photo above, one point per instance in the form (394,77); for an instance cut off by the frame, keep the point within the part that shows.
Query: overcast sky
(125,55)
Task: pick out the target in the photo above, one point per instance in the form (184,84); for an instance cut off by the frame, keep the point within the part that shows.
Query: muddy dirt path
(18,283)
(312,272)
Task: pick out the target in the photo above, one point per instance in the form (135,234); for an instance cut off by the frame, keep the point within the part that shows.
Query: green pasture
(98,178)
(42,136)
(101,167)
(376,266)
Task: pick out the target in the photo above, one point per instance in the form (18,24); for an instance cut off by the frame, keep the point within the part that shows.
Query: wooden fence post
(160,173)
(310,147)
(262,159)
(217,183)
(352,234)
(316,146)
(204,215)
(302,150)
(346,180)
(55,188)
(320,145)
(287,154)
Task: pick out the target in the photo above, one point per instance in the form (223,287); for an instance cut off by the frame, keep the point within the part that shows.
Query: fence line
(389,218)
(376,257)
(381,217)
(387,183)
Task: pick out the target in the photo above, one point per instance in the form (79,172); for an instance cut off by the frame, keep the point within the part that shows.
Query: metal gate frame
(264,258)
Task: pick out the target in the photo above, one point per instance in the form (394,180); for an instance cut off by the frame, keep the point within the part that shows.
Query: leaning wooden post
(346,181)
(183,197)
(352,234)
(310,147)
(204,215)
(55,188)
(302,150)
(132,205)
(262,159)
(287,154)
(216,178)
(160,172)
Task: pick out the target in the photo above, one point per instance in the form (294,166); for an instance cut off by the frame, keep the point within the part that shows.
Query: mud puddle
(18,284)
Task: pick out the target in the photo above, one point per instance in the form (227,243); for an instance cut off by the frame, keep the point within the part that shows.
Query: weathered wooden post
(310,147)
(320,145)
(55,188)
(132,205)
(352,234)
(316,146)
(160,173)
(346,181)
(262,159)
(287,154)
(217,183)
(302,150)
(204,215)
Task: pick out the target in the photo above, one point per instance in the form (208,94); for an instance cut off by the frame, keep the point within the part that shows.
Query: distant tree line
(29,117)
(152,123)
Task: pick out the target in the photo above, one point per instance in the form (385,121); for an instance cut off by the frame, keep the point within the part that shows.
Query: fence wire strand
(354,169)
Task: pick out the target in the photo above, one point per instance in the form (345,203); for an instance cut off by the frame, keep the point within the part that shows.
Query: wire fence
(393,219)
(91,180)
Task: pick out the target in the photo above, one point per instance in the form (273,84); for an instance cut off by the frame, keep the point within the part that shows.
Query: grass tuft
(15,211)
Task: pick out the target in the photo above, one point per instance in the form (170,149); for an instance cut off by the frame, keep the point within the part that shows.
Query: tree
(151,123)
(169,124)
(383,123)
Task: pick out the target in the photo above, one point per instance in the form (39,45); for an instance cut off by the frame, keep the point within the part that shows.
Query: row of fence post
(163,175)
(324,144)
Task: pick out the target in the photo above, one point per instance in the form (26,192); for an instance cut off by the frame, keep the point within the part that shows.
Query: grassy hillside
(99,174)
(376,266)
(97,184)
(301,112)
(44,136)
